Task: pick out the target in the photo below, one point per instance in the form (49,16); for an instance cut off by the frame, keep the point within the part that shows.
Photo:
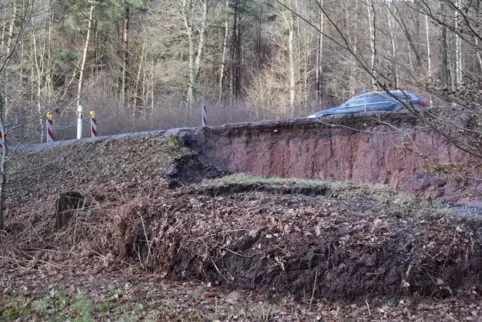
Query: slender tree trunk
(479,56)
(444,62)
(225,49)
(145,83)
(476,39)
(152,86)
(306,62)
(319,57)
(372,31)
(394,50)
(235,75)
(353,64)
(84,54)
(429,54)
(200,48)
(11,27)
(289,22)
(3,168)
(185,8)
(194,57)
(2,41)
(32,74)
(458,48)
(136,94)
(125,55)
(49,76)
(95,45)
(13,19)
(39,68)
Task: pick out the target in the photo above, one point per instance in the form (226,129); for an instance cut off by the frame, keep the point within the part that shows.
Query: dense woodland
(144,64)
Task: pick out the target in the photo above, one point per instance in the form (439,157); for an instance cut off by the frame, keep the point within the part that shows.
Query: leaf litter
(276,249)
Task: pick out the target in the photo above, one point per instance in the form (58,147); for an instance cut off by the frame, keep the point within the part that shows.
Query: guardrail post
(79,122)
(93,125)
(50,128)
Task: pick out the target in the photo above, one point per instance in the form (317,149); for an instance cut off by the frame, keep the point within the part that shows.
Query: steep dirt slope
(396,150)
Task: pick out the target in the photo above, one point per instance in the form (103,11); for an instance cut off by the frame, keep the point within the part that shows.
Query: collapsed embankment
(396,150)
(145,206)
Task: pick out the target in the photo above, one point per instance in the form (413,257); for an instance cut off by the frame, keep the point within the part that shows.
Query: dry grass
(384,194)
(112,118)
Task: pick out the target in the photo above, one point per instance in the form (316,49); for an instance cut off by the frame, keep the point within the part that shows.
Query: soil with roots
(158,209)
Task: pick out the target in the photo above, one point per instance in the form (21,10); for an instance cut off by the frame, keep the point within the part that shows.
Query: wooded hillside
(145,64)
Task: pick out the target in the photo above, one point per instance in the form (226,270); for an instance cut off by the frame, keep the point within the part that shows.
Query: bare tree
(14,41)
(84,54)
(289,19)
(125,53)
(195,54)
(225,49)
(372,30)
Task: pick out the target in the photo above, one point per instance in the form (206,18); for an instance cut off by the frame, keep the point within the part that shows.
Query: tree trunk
(200,48)
(353,64)
(194,57)
(84,54)
(152,86)
(235,81)
(476,38)
(39,68)
(372,31)
(444,62)
(49,72)
(319,57)
(394,50)
(289,22)
(458,48)
(187,23)
(125,56)
(429,54)
(479,56)
(225,49)
(136,95)
(11,27)
(3,167)
(2,40)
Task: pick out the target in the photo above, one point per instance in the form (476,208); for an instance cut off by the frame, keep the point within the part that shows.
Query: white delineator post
(93,125)
(50,128)
(79,122)
(203,113)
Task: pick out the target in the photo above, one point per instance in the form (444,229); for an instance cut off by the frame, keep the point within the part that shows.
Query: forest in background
(149,64)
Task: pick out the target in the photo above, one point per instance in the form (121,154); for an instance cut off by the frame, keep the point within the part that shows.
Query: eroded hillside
(157,215)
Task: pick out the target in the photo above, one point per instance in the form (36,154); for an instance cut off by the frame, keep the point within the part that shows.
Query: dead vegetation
(305,239)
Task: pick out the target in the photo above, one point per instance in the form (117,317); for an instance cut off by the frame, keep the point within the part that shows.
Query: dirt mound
(347,243)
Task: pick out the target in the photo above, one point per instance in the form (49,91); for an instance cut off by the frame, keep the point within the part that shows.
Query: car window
(402,96)
(375,98)
(355,100)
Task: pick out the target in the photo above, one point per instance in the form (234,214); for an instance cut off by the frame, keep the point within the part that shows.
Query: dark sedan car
(374,102)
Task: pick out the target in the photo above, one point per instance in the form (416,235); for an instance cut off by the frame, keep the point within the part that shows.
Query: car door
(362,105)
(353,106)
(380,103)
